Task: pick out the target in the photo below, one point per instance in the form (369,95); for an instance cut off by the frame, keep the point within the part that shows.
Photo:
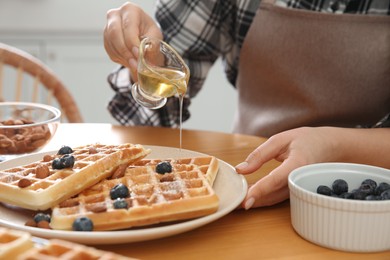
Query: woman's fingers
(274,148)
(123,31)
(114,41)
(272,188)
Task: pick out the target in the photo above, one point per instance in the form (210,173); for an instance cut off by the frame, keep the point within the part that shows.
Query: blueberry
(65,150)
(346,195)
(82,224)
(373,197)
(385,195)
(367,188)
(339,186)
(41,217)
(163,167)
(120,204)
(66,161)
(324,190)
(381,188)
(370,182)
(359,195)
(56,164)
(119,191)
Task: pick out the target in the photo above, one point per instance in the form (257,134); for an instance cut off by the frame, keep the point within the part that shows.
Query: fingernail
(242,165)
(249,203)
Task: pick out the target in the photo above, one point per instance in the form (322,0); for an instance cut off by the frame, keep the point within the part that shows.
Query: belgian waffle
(184,193)
(56,249)
(38,186)
(12,242)
(15,244)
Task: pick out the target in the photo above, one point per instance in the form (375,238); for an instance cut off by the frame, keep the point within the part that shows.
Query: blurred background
(67,36)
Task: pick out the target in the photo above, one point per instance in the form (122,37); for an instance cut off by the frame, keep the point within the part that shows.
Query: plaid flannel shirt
(202,31)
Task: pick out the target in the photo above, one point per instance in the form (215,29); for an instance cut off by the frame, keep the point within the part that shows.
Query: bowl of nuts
(26,127)
(342,206)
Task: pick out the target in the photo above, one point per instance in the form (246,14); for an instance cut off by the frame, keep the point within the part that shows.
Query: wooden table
(262,233)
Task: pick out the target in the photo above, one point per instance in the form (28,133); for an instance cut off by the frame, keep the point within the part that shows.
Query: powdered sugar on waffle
(183,194)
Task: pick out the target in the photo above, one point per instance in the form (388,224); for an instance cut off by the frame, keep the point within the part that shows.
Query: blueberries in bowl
(339,186)
(385,195)
(324,190)
(383,186)
(368,186)
(368,190)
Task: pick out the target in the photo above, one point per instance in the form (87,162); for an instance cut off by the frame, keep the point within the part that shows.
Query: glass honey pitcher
(162,73)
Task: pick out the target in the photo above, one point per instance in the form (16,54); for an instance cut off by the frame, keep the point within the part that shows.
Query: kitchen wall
(67,35)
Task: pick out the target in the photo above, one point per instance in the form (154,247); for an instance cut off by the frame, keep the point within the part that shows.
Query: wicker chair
(43,85)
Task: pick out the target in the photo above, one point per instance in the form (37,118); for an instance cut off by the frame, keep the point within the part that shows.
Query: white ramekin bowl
(341,224)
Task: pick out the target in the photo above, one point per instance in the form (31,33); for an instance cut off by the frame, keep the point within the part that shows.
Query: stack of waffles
(84,190)
(38,186)
(20,245)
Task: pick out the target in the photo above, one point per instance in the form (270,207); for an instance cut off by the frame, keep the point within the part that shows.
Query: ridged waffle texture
(208,165)
(184,193)
(12,242)
(56,249)
(20,245)
(25,186)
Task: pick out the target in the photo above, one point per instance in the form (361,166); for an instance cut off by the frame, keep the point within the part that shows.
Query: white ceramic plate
(230,187)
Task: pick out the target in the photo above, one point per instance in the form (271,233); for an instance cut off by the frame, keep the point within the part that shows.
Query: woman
(314,76)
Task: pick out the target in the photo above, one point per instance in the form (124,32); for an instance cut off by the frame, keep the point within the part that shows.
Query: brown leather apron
(303,68)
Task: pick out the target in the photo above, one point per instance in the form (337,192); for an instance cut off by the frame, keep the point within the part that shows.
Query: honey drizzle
(181,100)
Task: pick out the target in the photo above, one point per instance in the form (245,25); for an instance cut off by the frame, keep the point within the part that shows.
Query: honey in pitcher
(163,82)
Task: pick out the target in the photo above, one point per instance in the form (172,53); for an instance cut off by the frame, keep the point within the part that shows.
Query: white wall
(60,23)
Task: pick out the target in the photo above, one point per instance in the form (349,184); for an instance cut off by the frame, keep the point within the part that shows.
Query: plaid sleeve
(191,28)
(123,107)
(201,31)
(128,112)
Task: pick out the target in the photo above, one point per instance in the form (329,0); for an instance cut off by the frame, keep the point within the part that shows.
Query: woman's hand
(124,28)
(294,148)
(307,145)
